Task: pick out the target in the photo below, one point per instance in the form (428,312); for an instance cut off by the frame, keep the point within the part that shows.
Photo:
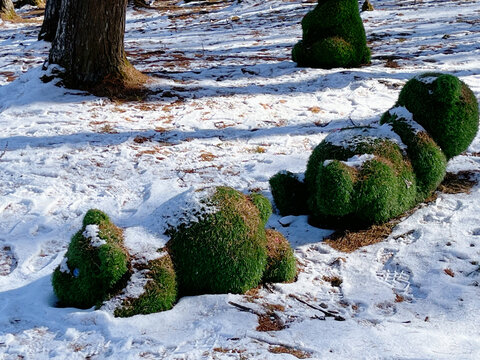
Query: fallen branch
(326,313)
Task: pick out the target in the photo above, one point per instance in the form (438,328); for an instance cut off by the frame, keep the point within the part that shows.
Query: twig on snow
(326,313)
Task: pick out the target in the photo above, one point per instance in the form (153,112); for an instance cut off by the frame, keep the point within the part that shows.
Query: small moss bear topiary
(281,263)
(158,280)
(365,175)
(94,265)
(333,36)
(225,250)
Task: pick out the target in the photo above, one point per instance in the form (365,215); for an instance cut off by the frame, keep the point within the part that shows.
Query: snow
(350,137)
(91,232)
(402,112)
(231,108)
(356,161)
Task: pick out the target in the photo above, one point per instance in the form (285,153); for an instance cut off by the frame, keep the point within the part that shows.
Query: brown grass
(269,322)
(348,241)
(288,350)
(449,272)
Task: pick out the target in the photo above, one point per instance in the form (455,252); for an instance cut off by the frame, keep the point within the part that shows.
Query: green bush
(95,263)
(224,251)
(403,160)
(445,107)
(281,263)
(160,289)
(333,36)
(369,189)
(289,193)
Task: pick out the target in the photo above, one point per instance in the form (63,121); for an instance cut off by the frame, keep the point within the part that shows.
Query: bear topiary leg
(331,52)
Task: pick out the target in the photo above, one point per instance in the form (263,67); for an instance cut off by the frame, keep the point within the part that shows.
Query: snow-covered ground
(231,108)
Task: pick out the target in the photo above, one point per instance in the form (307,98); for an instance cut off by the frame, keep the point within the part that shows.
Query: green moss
(445,107)
(334,190)
(281,263)
(428,161)
(333,36)
(225,251)
(289,193)
(383,187)
(263,205)
(160,291)
(92,272)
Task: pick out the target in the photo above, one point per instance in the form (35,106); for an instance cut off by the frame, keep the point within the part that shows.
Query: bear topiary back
(225,250)
(332,36)
(364,175)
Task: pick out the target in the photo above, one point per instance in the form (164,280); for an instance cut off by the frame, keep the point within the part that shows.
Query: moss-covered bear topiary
(281,263)
(364,175)
(333,36)
(157,281)
(225,249)
(94,265)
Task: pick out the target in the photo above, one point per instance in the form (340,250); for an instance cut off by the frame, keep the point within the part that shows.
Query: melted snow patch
(349,138)
(91,232)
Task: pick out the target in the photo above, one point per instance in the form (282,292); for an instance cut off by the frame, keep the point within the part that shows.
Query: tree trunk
(7,12)
(89,41)
(50,20)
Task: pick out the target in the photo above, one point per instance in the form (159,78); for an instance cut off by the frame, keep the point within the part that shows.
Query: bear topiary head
(94,265)
(263,205)
(445,107)
(223,250)
(281,263)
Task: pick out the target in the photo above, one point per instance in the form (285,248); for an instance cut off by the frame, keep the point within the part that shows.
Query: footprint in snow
(408,238)
(398,277)
(8,261)
(45,256)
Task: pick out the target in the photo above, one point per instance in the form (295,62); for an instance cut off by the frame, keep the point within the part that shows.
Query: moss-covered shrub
(281,263)
(289,192)
(159,288)
(365,175)
(333,36)
(94,265)
(224,251)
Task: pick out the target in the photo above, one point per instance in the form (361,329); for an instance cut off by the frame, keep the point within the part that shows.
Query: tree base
(127,84)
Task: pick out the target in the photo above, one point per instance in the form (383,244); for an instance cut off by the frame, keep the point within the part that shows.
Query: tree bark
(50,20)
(7,12)
(89,41)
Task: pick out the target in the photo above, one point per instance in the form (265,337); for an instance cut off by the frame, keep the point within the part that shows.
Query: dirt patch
(288,350)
